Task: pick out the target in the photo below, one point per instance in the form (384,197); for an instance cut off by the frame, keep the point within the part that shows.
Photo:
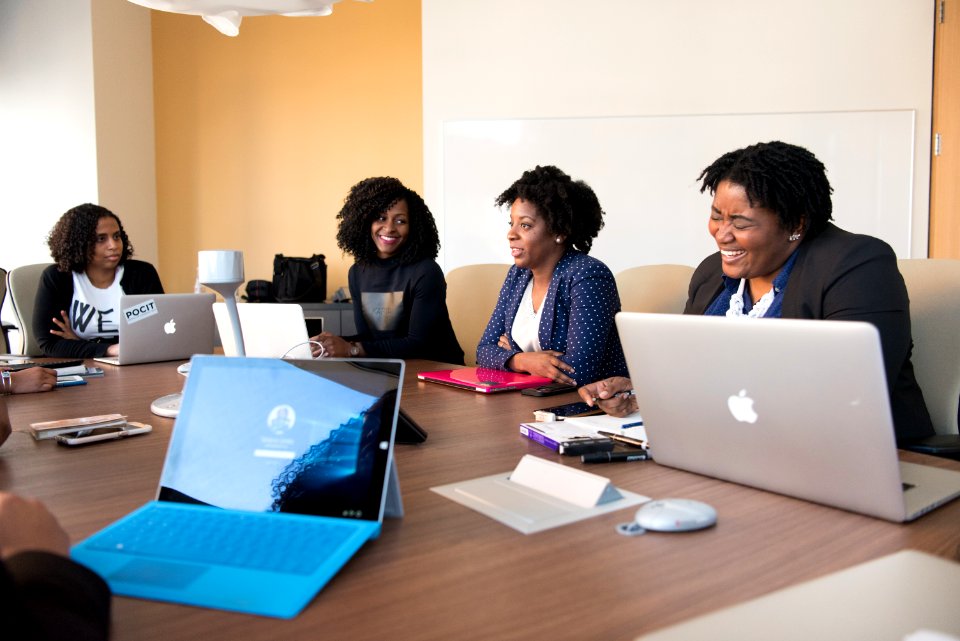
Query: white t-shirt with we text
(94,312)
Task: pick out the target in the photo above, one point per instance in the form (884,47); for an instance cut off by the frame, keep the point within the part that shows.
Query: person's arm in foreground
(44,595)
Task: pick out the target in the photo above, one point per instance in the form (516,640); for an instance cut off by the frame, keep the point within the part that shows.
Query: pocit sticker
(137,313)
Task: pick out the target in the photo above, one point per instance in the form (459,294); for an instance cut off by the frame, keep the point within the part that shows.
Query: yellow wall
(260,137)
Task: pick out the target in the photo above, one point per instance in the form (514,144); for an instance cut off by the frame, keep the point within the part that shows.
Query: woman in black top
(77,307)
(398,290)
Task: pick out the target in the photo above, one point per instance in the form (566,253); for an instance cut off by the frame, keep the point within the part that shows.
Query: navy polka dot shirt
(577,319)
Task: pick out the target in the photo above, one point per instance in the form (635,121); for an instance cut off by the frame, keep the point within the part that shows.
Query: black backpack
(259,291)
(299,280)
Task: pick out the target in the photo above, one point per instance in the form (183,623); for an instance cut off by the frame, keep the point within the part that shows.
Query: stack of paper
(630,425)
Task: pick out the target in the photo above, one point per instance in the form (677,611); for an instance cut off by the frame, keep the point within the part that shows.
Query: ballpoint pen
(626,440)
(625,394)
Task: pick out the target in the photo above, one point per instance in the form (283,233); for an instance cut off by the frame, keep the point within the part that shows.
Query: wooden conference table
(447,572)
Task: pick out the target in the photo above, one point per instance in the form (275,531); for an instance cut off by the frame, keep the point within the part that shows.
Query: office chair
(22,283)
(472,292)
(6,326)
(934,289)
(660,289)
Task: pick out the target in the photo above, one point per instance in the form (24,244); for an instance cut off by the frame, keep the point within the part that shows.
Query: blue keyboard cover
(250,540)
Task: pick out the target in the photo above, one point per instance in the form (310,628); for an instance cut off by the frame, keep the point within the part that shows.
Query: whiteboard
(644,171)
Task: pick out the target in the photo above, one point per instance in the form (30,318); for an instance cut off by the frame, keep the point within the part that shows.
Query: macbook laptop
(798,407)
(276,474)
(483,380)
(163,327)
(271,330)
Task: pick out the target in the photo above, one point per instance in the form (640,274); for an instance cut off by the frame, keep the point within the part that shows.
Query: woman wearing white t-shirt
(78,302)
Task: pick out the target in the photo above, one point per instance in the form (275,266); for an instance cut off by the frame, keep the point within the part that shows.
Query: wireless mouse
(675,515)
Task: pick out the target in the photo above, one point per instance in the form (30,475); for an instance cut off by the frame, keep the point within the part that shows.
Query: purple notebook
(483,380)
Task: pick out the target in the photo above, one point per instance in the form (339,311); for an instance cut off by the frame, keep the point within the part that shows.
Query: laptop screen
(270,435)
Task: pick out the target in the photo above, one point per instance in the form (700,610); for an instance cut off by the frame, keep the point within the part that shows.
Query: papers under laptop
(483,380)
(163,327)
(271,330)
(276,474)
(796,407)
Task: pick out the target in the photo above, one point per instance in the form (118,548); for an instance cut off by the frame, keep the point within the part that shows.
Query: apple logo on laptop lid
(741,407)
(170,327)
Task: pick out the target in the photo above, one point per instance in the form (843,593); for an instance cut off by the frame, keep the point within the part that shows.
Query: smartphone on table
(98,434)
(570,410)
(27,364)
(548,390)
(68,381)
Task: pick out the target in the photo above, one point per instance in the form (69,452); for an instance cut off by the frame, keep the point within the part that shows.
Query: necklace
(758,310)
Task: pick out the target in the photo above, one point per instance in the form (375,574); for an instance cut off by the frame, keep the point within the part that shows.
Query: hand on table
(26,524)
(33,379)
(546,363)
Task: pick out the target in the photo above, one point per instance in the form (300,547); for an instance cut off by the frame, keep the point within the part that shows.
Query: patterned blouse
(577,319)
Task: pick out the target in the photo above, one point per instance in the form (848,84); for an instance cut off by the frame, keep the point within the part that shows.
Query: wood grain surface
(446,572)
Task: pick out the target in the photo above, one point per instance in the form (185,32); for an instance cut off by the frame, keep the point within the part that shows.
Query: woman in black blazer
(781,257)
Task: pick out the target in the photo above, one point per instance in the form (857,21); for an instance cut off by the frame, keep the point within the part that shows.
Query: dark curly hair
(73,238)
(784,178)
(374,196)
(569,207)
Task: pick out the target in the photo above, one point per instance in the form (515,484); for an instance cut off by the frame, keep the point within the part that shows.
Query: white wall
(542,59)
(76,121)
(48,150)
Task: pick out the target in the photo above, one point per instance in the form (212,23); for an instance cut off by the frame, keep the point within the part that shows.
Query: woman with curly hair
(76,314)
(398,290)
(780,256)
(554,316)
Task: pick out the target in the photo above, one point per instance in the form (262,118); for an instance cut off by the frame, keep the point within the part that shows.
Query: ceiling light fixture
(226,15)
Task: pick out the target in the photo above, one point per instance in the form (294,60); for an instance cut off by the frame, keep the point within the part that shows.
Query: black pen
(611,457)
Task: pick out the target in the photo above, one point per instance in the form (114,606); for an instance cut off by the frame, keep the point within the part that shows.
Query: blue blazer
(577,319)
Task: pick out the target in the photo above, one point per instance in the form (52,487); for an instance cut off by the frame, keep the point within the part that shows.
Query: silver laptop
(163,327)
(797,407)
(270,330)
(277,472)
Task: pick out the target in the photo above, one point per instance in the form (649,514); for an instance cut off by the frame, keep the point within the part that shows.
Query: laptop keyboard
(212,536)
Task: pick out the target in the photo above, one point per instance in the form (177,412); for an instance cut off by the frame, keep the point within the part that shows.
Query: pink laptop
(483,380)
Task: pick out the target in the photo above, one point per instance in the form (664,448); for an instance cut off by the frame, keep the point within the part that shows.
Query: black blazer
(843,276)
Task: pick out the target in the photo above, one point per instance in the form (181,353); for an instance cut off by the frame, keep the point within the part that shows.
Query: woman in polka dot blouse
(554,316)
